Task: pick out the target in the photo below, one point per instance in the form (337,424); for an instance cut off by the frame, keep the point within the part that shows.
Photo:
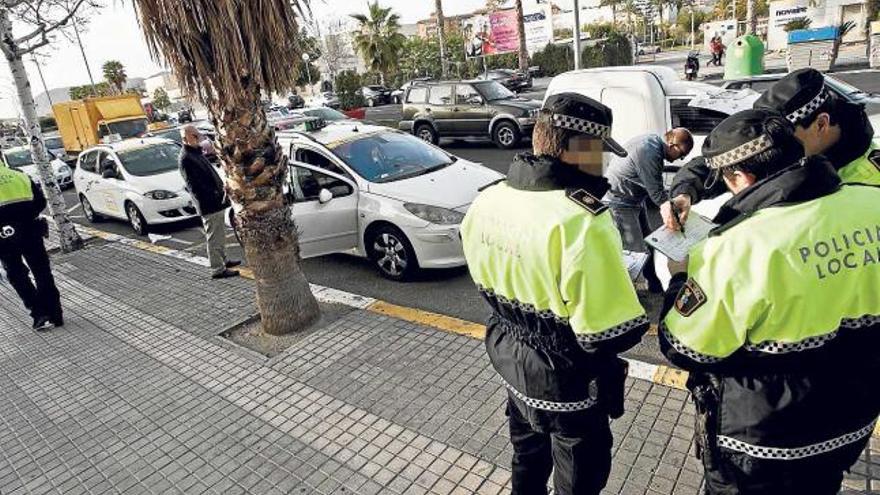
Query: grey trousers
(634,223)
(215,231)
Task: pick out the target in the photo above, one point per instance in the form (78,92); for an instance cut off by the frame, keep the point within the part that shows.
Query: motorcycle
(692,66)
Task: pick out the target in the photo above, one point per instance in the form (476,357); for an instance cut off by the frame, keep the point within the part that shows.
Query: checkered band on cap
(809,108)
(581,125)
(741,153)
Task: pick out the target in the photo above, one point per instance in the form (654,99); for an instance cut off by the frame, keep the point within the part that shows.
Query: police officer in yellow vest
(824,123)
(546,256)
(21,240)
(778,316)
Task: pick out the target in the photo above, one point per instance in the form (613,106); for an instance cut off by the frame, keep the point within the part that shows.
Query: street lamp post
(43,80)
(83,51)
(306,59)
(693,36)
(577,35)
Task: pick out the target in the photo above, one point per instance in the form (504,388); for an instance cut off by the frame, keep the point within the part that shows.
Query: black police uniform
(21,240)
(797,96)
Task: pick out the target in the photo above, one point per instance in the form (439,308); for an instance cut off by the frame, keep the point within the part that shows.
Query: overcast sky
(114,35)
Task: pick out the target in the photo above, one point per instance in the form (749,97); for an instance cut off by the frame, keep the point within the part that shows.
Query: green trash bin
(745,58)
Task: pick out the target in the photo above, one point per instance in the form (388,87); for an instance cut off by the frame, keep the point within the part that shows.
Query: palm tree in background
(114,73)
(521,32)
(441,35)
(379,40)
(614,4)
(227,54)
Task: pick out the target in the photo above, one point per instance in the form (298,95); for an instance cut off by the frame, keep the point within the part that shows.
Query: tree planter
(356,113)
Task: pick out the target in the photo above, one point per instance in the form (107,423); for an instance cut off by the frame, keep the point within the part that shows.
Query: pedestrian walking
(22,252)
(206,187)
(545,255)
(824,123)
(717,48)
(776,316)
(637,189)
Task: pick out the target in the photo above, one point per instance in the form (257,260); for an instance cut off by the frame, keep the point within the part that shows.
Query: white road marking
(180,241)
(73,208)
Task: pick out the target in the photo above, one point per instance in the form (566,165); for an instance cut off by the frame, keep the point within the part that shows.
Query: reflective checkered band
(581,125)
(809,108)
(524,307)
(864,321)
(741,153)
(685,350)
(547,405)
(791,454)
(775,347)
(587,340)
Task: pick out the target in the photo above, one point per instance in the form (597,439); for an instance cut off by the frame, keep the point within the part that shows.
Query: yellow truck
(85,123)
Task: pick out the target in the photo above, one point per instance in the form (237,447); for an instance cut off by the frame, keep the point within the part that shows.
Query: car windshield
(53,143)
(126,129)
(172,134)
(325,113)
(389,156)
(493,90)
(18,159)
(150,160)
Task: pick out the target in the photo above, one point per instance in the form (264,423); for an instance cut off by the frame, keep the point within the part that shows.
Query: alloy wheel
(505,136)
(87,209)
(426,135)
(134,218)
(391,254)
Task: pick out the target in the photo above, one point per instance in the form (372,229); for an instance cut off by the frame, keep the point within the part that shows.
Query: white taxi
(379,193)
(137,180)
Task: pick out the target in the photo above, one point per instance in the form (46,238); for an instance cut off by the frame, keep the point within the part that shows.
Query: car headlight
(434,214)
(533,113)
(160,195)
(64,170)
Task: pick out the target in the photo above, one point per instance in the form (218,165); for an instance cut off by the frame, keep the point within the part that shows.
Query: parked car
(19,158)
(380,193)
(513,80)
(185,116)
(55,146)
(324,113)
(468,108)
(172,134)
(295,101)
(871,100)
(136,180)
(397,94)
(376,95)
(327,99)
(280,118)
(645,49)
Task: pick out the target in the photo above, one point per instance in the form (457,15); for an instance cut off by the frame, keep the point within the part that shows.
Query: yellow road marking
(441,322)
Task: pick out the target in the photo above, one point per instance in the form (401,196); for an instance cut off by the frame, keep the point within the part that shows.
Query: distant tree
(304,71)
(48,123)
(114,73)
(347,85)
(795,24)
(86,91)
(160,99)
(379,40)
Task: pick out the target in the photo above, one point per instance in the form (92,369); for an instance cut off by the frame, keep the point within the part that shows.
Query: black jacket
(202,181)
(765,404)
(856,134)
(23,218)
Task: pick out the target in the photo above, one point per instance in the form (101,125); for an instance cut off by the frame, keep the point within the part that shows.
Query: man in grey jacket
(637,189)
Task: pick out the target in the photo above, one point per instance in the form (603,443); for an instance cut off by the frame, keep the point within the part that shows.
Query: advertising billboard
(491,34)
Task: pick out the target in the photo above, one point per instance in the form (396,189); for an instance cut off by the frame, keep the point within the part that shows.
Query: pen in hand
(675,214)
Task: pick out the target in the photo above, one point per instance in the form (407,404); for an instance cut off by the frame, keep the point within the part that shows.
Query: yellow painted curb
(438,321)
(670,377)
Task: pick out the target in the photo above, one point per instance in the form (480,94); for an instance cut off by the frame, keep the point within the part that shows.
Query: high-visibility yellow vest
(865,169)
(15,187)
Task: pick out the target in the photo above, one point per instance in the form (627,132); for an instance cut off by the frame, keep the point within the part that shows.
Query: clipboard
(676,245)
(634,262)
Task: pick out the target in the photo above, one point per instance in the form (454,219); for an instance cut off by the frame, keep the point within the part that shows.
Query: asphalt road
(448,292)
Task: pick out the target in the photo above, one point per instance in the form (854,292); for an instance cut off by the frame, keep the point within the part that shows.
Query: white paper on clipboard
(676,245)
(634,261)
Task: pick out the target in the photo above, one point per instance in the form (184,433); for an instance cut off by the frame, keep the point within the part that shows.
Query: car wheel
(392,253)
(88,211)
(426,133)
(136,219)
(506,135)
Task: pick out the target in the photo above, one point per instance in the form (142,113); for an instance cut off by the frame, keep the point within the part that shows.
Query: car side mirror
(324,196)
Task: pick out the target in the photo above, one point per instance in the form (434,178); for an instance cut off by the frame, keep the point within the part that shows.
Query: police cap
(746,134)
(797,95)
(584,115)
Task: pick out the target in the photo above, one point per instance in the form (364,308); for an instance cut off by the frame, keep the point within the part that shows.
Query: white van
(644,99)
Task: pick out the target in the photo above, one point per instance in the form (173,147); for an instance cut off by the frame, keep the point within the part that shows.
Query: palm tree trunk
(68,237)
(257,168)
(751,17)
(521,30)
(441,36)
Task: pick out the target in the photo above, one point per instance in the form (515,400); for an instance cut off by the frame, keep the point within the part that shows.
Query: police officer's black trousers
(576,444)
(725,478)
(39,296)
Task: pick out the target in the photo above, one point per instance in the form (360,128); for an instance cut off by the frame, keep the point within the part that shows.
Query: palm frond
(213,46)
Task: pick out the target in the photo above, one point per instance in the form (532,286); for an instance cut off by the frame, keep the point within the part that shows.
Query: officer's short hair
(786,151)
(547,139)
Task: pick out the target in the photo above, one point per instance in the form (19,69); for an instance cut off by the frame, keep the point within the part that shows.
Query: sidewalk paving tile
(136,395)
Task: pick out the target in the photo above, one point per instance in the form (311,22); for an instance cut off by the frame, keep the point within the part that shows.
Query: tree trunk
(441,36)
(68,237)
(521,30)
(751,17)
(257,168)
